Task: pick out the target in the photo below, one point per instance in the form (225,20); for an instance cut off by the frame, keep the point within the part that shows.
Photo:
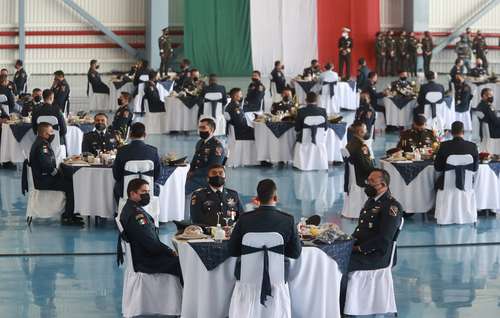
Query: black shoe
(72,220)
(266,164)
(9,165)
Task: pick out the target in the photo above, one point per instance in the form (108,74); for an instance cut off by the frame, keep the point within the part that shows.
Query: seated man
(209,151)
(456,146)
(94,80)
(213,87)
(286,104)
(313,70)
(378,225)
(463,94)
(31,103)
(277,76)
(371,88)
(360,153)
(416,137)
(479,70)
(123,116)
(363,72)
(366,114)
(399,86)
(430,86)
(236,117)
(46,176)
(254,101)
(149,254)
(210,205)
(50,109)
(486,113)
(266,218)
(311,109)
(152,94)
(193,85)
(101,139)
(137,149)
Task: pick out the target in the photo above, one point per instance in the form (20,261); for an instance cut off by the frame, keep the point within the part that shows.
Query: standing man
(278,77)
(101,139)
(463,94)
(165,46)
(380,52)
(363,72)
(255,94)
(412,51)
(463,50)
(345,48)
(152,95)
(390,55)
(94,80)
(480,49)
(402,51)
(427,46)
(7,92)
(61,90)
(20,78)
(10,84)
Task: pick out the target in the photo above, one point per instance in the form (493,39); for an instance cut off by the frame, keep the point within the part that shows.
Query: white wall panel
(445,15)
(8,13)
(391,14)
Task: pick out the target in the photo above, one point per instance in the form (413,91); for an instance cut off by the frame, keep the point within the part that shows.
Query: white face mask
(345,35)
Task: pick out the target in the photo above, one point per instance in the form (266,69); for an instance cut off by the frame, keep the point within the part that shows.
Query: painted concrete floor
(54,271)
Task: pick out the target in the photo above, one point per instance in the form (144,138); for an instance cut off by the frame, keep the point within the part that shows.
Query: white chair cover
(327,102)
(98,101)
(245,301)
(275,96)
(155,122)
(371,292)
(59,150)
(307,155)
(138,100)
(240,152)
(380,122)
(220,121)
(74,139)
(455,206)
(5,107)
(43,203)
(355,199)
(148,294)
(444,115)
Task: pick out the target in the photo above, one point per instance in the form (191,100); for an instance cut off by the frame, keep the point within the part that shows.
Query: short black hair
(35,90)
(59,73)
(430,75)
(3,77)
(266,190)
(135,184)
(314,61)
(361,61)
(311,98)
(186,61)
(402,71)
(386,178)
(419,120)
(47,93)
(209,121)
(372,74)
(152,75)
(276,63)
(137,130)
(484,91)
(41,127)
(92,62)
(457,128)
(234,90)
(216,166)
(458,60)
(19,62)
(328,66)
(101,114)
(256,72)
(126,95)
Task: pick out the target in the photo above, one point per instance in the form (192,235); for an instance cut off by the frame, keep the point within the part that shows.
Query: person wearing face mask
(152,94)
(314,70)
(101,139)
(345,48)
(236,117)
(49,109)
(480,48)
(371,89)
(418,136)
(211,204)
(208,151)
(149,254)
(366,114)
(61,90)
(390,55)
(286,104)
(479,70)
(46,176)
(20,77)
(485,111)
(37,98)
(278,77)
(137,149)
(123,116)
(254,102)
(94,80)
(401,84)
(359,152)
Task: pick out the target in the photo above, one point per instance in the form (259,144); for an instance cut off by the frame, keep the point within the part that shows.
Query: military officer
(365,113)
(20,77)
(427,47)
(360,153)
(486,113)
(46,176)
(94,80)
(210,205)
(399,86)
(49,109)
(363,72)
(402,53)
(152,94)
(101,139)
(286,104)
(183,74)
(390,55)
(457,69)
(464,51)
(236,117)
(380,52)
(416,137)
(149,254)
(7,92)
(313,70)
(61,90)
(278,77)
(413,44)
(378,225)
(480,48)
(10,84)
(463,94)
(123,116)
(209,151)
(254,102)
(479,70)
(345,49)
(372,91)
(165,46)
(193,85)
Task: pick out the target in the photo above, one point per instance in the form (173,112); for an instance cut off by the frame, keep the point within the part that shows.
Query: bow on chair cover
(347,160)
(314,130)
(24,177)
(460,173)
(433,106)
(213,103)
(149,173)
(265,289)
(331,85)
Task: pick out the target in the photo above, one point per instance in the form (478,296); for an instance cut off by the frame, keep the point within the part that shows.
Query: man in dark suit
(20,77)
(137,149)
(213,87)
(314,70)
(311,109)
(61,90)
(94,80)
(430,86)
(486,114)
(101,139)
(10,84)
(277,76)
(456,146)
(479,70)
(345,47)
(236,117)
(49,109)
(363,71)
(266,218)
(366,114)
(149,254)
(371,88)
(254,100)
(360,153)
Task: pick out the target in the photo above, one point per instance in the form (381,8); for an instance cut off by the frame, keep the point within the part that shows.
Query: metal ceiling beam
(101,27)
(485,8)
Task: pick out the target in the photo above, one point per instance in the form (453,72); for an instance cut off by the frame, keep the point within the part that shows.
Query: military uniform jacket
(149,254)
(316,71)
(279,79)
(361,159)
(98,86)
(412,45)
(427,45)
(412,137)
(50,110)
(4,90)
(61,93)
(43,164)
(490,118)
(122,120)
(374,95)
(236,117)
(380,46)
(266,219)
(255,96)
(479,46)
(463,50)
(390,44)
(95,141)
(402,46)
(207,153)
(165,46)
(399,85)
(457,70)
(206,204)
(378,224)
(463,97)
(283,106)
(345,45)
(135,150)
(20,78)
(152,95)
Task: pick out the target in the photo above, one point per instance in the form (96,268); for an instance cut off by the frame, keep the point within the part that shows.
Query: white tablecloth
(417,197)
(172,196)
(272,149)
(346,97)
(13,151)
(399,117)
(93,189)
(115,93)
(487,188)
(179,117)
(334,144)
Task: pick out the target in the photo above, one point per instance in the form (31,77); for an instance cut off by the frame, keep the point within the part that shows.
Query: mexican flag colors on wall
(234,37)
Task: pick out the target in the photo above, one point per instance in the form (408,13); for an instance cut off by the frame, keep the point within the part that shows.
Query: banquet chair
(5,107)
(43,203)
(453,204)
(371,292)
(329,102)
(142,169)
(59,150)
(354,195)
(487,144)
(74,139)
(311,154)
(155,121)
(139,98)
(240,152)
(246,302)
(380,124)
(465,117)
(147,294)
(97,101)
(437,122)
(212,107)
(275,96)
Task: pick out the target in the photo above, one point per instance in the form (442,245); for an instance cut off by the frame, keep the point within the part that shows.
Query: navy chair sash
(459,173)
(331,85)
(213,104)
(314,130)
(433,106)
(24,177)
(149,173)
(347,160)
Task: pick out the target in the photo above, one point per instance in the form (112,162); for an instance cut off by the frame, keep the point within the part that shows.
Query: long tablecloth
(179,117)
(399,111)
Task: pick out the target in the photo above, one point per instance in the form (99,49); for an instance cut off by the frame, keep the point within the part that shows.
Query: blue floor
(54,271)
